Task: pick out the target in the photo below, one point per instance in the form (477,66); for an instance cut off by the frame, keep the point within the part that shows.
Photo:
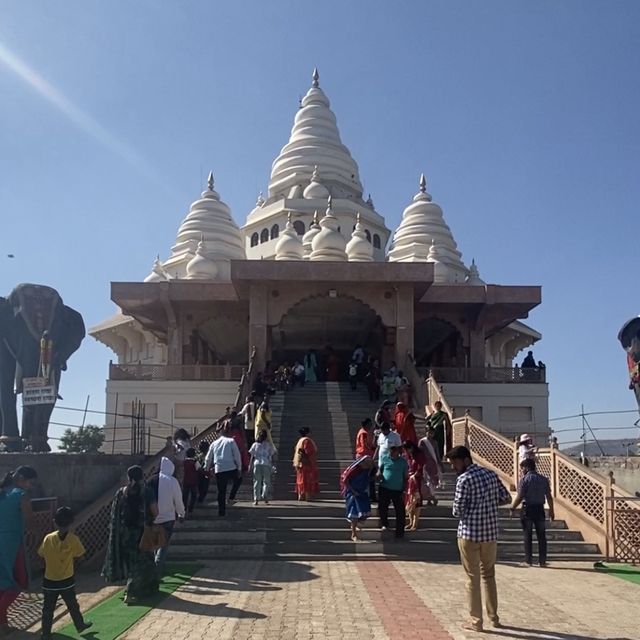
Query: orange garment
(404,422)
(364,444)
(305,462)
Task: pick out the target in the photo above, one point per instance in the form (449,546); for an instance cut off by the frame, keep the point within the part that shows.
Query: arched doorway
(438,343)
(337,323)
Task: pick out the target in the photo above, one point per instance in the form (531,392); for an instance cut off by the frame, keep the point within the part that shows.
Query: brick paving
(379,600)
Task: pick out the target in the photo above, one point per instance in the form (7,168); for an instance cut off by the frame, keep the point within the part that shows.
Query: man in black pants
(533,490)
(224,456)
(393,474)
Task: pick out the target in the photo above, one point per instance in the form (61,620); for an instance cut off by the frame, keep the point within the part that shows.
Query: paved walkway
(383,600)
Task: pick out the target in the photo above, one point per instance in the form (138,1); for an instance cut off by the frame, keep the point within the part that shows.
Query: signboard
(37,391)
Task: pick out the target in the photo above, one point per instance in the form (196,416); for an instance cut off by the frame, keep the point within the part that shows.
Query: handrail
(92,523)
(604,512)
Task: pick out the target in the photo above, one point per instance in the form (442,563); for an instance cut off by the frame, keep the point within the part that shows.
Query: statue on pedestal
(38,334)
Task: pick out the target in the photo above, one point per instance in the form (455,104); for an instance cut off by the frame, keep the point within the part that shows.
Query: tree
(86,439)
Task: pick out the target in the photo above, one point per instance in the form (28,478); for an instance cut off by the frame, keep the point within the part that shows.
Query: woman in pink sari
(305,462)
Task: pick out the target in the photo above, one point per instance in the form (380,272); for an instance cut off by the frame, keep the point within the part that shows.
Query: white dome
(315,189)
(158,274)
(289,245)
(307,238)
(315,141)
(200,267)
(359,249)
(474,278)
(328,244)
(422,222)
(209,219)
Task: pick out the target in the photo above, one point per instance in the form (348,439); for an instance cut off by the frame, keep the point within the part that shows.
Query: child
(59,550)
(190,480)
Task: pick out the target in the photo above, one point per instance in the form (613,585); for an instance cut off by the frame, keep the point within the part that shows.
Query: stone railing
(507,375)
(172,372)
(92,524)
(605,513)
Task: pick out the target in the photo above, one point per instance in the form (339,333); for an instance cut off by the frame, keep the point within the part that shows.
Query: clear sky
(524,116)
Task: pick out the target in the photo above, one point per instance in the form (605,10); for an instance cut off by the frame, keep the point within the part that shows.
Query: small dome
(422,223)
(307,238)
(315,189)
(474,278)
(440,271)
(329,244)
(200,267)
(158,274)
(209,219)
(289,246)
(359,249)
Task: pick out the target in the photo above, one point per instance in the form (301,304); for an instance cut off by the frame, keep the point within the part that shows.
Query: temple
(315,266)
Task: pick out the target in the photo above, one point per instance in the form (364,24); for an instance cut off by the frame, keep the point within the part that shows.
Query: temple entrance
(328,325)
(438,344)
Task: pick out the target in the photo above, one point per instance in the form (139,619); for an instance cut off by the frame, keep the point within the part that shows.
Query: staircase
(300,530)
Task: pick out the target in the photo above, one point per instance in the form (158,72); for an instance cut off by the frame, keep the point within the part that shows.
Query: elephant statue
(38,334)
(629,338)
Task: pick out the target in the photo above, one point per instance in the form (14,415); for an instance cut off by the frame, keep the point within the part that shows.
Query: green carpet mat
(624,571)
(111,618)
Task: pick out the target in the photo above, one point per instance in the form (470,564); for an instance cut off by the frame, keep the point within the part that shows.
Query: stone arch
(298,225)
(376,241)
(439,343)
(320,321)
(264,236)
(255,239)
(275,231)
(368,234)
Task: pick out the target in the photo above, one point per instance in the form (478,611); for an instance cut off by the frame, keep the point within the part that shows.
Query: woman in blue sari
(355,489)
(15,513)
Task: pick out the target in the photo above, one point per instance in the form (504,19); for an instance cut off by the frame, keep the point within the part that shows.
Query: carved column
(476,347)
(258,328)
(404,323)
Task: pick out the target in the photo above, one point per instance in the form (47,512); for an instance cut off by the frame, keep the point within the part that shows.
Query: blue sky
(523,116)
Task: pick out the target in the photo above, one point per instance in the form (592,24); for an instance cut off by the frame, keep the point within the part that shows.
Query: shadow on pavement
(509,631)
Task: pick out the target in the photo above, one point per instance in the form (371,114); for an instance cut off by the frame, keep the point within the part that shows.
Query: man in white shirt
(248,412)
(386,440)
(224,457)
(170,505)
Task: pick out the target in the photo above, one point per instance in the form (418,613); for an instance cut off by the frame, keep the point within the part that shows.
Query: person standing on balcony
(533,491)
(224,457)
(441,422)
(15,516)
(248,412)
(478,495)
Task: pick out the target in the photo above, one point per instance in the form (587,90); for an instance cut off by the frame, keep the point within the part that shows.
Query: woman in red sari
(405,422)
(305,462)
(413,495)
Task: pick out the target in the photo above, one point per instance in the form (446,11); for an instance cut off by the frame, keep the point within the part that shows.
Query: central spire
(315,141)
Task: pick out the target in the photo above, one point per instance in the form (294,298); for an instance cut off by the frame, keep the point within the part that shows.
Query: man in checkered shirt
(479,492)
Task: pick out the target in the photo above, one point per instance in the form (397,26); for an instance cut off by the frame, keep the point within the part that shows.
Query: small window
(264,236)
(376,241)
(255,239)
(298,225)
(275,231)
(368,234)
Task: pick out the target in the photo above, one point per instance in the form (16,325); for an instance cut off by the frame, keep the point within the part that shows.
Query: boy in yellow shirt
(59,550)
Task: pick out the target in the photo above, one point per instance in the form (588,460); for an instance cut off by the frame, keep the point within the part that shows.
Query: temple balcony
(172,372)
(474,375)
